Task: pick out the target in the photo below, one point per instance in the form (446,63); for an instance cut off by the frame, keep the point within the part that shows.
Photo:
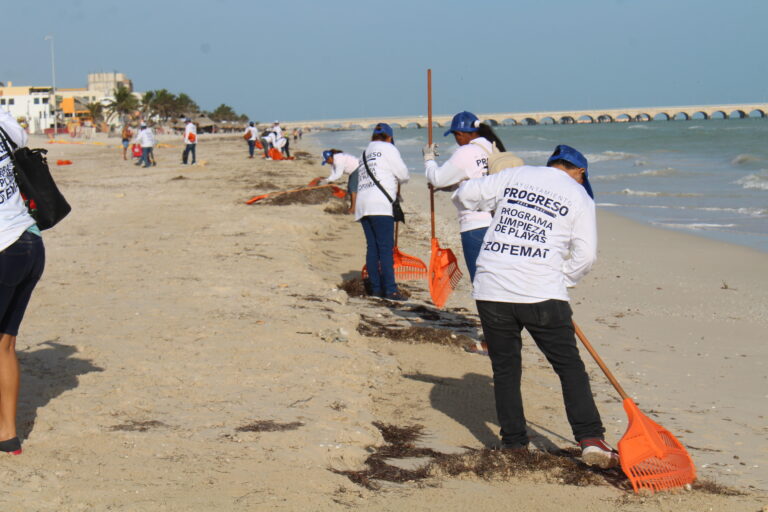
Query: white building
(33,105)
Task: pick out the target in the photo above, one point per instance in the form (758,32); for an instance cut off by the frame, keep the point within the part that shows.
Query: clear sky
(312,59)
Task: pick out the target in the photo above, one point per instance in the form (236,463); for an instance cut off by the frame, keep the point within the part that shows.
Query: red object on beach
(63,162)
(136,150)
(259,144)
(650,456)
(275,154)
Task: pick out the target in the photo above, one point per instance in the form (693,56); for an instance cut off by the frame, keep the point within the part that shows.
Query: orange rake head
(651,456)
(444,274)
(407,267)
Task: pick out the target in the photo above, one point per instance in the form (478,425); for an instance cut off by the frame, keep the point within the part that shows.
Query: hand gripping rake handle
(600,362)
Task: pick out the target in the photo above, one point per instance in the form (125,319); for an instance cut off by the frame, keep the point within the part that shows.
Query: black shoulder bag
(41,195)
(397,210)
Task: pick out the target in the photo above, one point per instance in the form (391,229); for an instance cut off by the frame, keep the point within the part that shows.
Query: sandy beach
(185,351)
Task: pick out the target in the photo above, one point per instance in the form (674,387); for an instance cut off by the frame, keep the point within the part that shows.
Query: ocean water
(706,177)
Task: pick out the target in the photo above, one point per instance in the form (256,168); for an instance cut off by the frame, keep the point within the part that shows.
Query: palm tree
(96,111)
(123,104)
(147,104)
(185,104)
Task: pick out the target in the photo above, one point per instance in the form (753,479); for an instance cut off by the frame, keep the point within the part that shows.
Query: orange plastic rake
(444,272)
(336,191)
(407,267)
(651,457)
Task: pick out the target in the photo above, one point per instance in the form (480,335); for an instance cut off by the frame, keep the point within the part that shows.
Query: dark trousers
(187,150)
(380,239)
(551,327)
(21,265)
(251,147)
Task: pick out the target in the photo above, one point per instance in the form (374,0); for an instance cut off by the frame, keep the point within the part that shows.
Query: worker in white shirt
(253,134)
(373,208)
(146,139)
(190,139)
(542,240)
(470,160)
(341,164)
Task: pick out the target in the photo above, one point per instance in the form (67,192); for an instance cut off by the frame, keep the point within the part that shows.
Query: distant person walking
(190,139)
(382,164)
(253,134)
(146,139)
(22,260)
(470,160)
(542,240)
(126,135)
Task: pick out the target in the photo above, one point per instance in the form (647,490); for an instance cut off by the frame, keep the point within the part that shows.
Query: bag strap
(5,139)
(376,181)
(494,149)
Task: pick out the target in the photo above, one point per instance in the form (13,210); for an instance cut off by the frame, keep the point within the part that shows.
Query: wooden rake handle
(429,140)
(600,362)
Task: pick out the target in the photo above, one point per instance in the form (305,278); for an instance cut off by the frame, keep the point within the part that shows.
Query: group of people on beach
(528,233)
(269,139)
(146,141)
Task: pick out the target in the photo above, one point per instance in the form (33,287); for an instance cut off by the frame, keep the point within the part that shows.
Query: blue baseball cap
(573,156)
(385,129)
(463,122)
(326,155)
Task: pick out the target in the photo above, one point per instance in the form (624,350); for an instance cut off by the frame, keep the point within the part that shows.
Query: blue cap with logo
(573,156)
(464,122)
(385,129)
(326,155)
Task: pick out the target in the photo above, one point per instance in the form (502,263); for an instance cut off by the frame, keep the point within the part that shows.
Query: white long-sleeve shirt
(543,237)
(145,138)
(387,165)
(190,128)
(343,163)
(468,161)
(14,216)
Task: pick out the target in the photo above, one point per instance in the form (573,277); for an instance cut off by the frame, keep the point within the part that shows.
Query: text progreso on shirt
(536,201)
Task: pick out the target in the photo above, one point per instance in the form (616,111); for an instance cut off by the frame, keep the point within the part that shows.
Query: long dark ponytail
(485,130)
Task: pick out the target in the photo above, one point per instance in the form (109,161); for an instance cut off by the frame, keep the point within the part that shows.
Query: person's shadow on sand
(46,373)
(470,401)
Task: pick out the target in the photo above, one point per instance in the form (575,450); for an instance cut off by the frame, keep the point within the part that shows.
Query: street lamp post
(53,77)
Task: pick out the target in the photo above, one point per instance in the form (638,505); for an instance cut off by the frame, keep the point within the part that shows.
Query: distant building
(35,105)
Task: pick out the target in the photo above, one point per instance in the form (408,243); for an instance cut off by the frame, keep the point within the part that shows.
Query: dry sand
(185,351)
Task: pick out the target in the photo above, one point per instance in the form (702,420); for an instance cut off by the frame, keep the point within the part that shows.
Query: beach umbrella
(650,456)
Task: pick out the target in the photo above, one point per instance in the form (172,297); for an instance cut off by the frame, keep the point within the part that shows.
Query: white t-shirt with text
(543,236)
(387,165)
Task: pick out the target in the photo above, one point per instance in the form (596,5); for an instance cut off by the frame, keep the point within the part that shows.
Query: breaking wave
(758,180)
(630,192)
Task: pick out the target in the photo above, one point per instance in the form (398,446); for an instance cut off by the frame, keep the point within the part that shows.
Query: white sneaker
(596,452)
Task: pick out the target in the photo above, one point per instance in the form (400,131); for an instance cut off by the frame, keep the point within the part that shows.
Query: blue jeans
(471,242)
(380,239)
(551,327)
(145,157)
(251,147)
(189,149)
(21,265)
